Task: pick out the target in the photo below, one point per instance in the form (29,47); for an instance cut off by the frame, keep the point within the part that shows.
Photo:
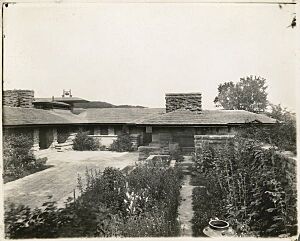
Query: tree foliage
(248,94)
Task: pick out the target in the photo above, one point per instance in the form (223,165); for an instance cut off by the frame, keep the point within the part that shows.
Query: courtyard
(58,182)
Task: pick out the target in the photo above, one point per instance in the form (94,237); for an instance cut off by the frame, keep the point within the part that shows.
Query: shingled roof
(119,115)
(207,117)
(14,116)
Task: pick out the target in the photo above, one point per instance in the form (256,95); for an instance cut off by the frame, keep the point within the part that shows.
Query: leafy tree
(248,94)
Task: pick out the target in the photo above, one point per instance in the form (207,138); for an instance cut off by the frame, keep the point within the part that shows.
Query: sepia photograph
(149,119)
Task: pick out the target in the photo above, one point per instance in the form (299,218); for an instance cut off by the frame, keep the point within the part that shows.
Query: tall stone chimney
(187,101)
(18,98)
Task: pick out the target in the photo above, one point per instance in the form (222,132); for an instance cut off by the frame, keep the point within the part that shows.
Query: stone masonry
(187,101)
(215,140)
(18,98)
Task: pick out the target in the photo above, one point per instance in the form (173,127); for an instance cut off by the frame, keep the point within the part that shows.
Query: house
(50,122)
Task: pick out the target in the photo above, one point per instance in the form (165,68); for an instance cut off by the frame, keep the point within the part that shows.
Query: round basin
(218,224)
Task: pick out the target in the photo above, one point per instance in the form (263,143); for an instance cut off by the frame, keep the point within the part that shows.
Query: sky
(133,53)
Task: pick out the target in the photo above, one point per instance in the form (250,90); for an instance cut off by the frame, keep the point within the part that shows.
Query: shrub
(123,143)
(111,204)
(102,148)
(18,158)
(282,135)
(259,196)
(83,142)
(207,204)
(63,134)
(176,154)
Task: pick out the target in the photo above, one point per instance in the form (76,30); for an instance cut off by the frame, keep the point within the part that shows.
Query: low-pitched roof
(119,115)
(207,117)
(62,99)
(13,116)
(55,103)
(17,116)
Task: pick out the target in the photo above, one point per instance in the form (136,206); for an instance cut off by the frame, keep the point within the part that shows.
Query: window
(104,130)
(148,129)
(89,129)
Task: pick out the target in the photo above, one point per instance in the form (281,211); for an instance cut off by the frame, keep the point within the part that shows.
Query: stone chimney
(18,98)
(187,101)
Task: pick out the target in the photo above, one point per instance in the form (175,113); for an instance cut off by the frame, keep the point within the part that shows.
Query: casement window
(104,130)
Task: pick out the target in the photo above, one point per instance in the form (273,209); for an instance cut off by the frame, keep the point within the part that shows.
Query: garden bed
(207,204)
(252,188)
(141,203)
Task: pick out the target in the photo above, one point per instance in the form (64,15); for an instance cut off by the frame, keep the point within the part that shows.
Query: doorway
(45,137)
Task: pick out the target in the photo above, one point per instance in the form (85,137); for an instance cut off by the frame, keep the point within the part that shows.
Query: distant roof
(62,99)
(119,115)
(13,116)
(51,102)
(207,117)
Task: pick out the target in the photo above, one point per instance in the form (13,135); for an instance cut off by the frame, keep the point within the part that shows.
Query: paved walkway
(185,210)
(59,181)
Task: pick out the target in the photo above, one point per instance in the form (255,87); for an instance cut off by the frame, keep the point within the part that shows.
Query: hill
(102,104)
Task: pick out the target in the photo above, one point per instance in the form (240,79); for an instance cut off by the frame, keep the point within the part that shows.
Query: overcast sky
(134,53)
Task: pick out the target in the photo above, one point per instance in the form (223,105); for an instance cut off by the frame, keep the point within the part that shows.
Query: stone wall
(18,98)
(289,164)
(135,141)
(67,145)
(188,101)
(214,140)
(286,161)
(146,151)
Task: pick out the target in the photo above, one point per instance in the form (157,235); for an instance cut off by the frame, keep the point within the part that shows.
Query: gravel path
(58,182)
(185,210)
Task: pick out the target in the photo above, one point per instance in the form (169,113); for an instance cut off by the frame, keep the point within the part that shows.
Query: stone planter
(218,228)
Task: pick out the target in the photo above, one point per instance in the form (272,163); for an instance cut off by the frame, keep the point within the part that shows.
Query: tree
(284,135)
(247,94)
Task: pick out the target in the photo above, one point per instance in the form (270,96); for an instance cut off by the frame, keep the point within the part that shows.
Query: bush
(63,134)
(141,204)
(176,154)
(18,158)
(207,204)
(103,148)
(282,135)
(258,196)
(123,143)
(83,142)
